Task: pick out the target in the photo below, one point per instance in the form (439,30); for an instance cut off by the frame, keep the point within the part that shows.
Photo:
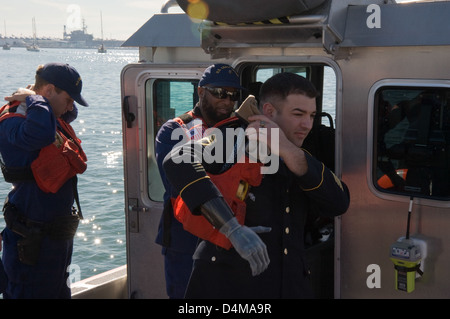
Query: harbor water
(99,244)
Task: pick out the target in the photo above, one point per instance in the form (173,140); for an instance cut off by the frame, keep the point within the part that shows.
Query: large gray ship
(79,39)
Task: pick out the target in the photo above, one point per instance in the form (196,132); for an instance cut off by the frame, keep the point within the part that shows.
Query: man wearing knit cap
(218,91)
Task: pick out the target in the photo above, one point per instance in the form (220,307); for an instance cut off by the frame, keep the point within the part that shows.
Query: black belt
(16,174)
(62,228)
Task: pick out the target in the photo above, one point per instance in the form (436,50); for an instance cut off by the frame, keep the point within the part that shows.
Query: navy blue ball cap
(66,78)
(220,75)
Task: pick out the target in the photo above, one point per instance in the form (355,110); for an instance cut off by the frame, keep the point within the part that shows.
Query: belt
(63,227)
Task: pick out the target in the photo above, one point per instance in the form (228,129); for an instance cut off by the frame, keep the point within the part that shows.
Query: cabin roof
(159,31)
(334,24)
(400,25)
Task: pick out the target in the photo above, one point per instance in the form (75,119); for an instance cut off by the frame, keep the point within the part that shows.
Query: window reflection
(411,150)
(165,100)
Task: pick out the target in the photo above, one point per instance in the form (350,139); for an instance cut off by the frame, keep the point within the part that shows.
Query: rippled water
(100,240)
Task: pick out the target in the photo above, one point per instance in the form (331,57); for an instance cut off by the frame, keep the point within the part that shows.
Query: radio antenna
(409,216)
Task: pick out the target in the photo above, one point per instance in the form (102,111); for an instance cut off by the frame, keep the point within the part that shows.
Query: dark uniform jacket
(282,202)
(170,231)
(21,140)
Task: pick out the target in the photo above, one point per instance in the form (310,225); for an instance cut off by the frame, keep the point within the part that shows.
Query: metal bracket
(133,214)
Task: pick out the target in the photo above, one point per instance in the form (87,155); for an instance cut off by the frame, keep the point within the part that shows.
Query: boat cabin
(384,128)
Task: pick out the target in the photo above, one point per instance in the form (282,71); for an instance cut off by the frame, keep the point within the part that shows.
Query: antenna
(409,216)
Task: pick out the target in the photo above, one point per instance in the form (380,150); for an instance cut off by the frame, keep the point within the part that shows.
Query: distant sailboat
(102,48)
(6,46)
(34,47)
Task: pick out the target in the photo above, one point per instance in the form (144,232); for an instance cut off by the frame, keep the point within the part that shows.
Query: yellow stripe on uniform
(199,179)
(338,181)
(321,181)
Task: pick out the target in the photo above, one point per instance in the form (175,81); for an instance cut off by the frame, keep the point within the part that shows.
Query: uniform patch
(338,181)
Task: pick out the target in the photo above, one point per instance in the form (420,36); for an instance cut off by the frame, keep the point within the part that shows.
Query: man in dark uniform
(281,202)
(39,215)
(218,92)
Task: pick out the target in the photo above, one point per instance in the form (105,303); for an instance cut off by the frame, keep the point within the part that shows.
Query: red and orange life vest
(57,162)
(386,183)
(234,185)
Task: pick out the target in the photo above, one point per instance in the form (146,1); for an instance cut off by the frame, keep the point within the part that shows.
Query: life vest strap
(415,268)
(21,174)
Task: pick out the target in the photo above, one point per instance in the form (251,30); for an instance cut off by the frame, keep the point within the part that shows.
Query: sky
(121,18)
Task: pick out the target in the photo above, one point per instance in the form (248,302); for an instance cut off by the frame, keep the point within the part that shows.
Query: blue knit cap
(220,75)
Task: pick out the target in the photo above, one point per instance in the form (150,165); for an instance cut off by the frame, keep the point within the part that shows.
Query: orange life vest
(234,185)
(386,183)
(57,162)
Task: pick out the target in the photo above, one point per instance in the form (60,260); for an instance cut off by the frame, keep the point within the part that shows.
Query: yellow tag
(58,140)
(242,190)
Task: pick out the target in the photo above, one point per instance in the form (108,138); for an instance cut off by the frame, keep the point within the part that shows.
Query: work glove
(21,94)
(248,244)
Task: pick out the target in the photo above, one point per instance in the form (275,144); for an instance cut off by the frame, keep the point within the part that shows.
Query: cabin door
(151,95)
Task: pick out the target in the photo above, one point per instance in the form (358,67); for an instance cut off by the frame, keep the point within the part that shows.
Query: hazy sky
(121,18)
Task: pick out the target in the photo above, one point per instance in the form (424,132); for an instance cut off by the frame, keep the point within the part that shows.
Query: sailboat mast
(34,31)
(6,45)
(101,49)
(101,23)
(33,47)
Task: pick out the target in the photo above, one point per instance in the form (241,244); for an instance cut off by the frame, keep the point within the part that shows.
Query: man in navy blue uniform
(40,222)
(267,258)
(218,91)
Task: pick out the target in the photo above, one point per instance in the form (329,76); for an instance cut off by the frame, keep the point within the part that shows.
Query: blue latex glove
(248,244)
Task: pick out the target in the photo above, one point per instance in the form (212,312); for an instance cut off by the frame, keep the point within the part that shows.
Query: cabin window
(166,99)
(327,85)
(264,73)
(171,98)
(412,141)
(321,140)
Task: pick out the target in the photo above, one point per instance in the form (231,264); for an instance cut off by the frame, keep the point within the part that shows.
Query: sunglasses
(220,93)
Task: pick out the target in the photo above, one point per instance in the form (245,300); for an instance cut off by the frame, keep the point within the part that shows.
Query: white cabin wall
(372,224)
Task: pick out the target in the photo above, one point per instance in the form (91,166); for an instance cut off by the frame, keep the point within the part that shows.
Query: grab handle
(129,117)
